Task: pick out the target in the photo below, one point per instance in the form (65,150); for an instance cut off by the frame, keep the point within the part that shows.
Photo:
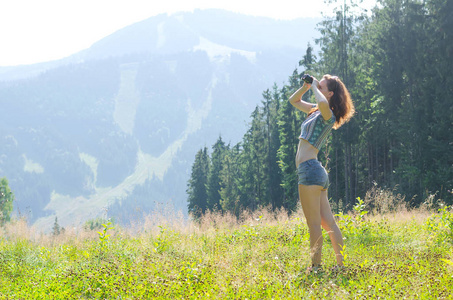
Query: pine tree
(439,63)
(56,227)
(197,196)
(253,163)
(213,180)
(230,181)
(288,122)
(273,178)
(308,61)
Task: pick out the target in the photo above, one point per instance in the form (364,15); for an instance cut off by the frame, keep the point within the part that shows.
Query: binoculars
(307,78)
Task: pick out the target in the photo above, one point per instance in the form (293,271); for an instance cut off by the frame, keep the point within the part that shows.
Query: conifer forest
(397,63)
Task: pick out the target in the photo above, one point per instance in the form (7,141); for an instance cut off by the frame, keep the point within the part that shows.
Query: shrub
(6,201)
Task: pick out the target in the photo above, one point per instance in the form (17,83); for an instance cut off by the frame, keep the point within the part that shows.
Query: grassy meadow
(390,253)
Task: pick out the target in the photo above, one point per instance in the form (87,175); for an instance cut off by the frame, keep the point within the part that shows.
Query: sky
(33,31)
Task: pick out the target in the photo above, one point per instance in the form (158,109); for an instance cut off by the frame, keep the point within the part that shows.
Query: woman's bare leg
(309,196)
(329,224)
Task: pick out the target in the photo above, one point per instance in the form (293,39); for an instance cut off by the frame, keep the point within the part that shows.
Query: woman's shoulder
(331,120)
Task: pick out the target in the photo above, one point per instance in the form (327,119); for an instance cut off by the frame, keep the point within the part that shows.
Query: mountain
(113,130)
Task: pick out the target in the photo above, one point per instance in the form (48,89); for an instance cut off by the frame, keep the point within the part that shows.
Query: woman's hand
(306,86)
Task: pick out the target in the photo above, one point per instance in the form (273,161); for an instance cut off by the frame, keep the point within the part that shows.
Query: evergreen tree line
(6,201)
(397,66)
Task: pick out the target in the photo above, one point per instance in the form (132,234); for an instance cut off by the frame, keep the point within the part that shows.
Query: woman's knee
(328,224)
(314,224)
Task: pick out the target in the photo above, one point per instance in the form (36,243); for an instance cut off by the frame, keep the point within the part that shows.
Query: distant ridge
(243,32)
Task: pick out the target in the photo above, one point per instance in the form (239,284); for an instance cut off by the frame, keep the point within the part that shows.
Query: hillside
(115,127)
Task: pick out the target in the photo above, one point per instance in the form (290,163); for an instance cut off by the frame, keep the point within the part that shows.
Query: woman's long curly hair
(340,103)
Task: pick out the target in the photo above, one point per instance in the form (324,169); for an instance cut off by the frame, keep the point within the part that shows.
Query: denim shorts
(311,172)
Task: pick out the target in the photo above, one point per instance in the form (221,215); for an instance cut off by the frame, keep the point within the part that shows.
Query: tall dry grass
(385,203)
(381,203)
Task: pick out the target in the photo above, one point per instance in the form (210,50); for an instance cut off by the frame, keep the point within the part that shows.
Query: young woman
(334,107)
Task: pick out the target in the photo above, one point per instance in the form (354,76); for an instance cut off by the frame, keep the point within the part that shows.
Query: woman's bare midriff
(305,151)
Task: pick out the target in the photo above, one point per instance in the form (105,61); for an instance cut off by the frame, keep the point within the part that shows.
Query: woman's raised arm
(296,99)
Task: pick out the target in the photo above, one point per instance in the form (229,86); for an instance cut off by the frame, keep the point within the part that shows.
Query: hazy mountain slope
(180,32)
(118,130)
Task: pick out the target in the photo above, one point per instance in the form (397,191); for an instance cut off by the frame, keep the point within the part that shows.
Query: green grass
(388,256)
